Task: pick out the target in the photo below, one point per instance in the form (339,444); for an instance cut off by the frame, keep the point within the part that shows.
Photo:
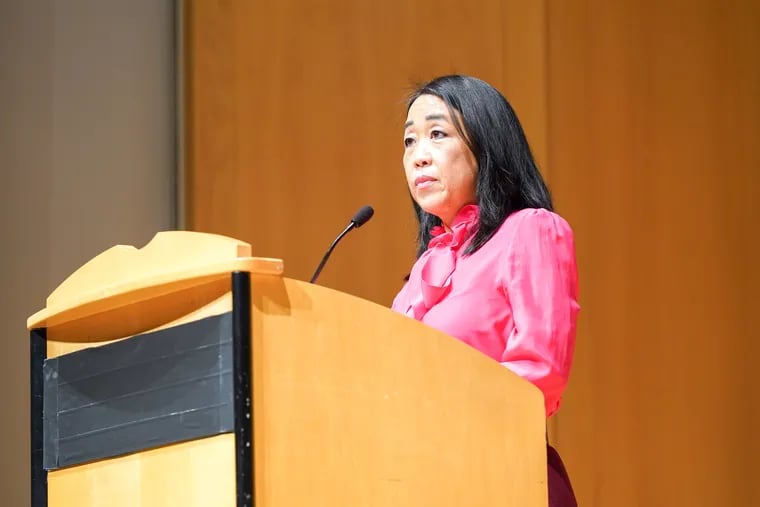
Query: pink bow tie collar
(439,260)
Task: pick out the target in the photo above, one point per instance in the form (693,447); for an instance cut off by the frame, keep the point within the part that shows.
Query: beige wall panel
(86,161)
(654,114)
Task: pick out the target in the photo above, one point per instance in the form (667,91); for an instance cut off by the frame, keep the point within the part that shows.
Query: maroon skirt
(560,490)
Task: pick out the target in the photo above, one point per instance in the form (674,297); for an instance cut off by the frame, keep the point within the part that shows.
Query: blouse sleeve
(540,277)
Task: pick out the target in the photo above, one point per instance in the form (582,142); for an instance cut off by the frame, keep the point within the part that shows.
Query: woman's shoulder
(536,240)
(530,222)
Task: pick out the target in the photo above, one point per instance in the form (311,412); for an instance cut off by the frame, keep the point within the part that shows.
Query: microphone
(360,218)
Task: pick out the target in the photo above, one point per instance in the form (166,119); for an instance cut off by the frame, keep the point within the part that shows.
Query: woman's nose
(421,155)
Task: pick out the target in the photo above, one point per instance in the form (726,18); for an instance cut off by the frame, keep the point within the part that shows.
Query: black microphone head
(363,215)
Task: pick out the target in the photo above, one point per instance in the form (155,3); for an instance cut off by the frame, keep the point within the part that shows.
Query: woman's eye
(437,134)
(408,141)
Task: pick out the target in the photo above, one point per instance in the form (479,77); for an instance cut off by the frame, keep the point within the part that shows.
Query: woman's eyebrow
(428,118)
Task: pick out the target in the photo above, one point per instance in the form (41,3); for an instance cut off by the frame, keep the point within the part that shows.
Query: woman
(495,265)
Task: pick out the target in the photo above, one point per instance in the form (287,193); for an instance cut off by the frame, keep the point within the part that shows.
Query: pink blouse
(515,299)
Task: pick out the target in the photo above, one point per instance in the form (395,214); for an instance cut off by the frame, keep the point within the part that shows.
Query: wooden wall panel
(654,121)
(295,113)
(644,116)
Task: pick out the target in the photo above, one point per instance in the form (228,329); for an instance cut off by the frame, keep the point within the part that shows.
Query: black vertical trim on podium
(243,394)
(37,355)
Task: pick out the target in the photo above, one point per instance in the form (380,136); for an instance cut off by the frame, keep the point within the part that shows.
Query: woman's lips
(423,181)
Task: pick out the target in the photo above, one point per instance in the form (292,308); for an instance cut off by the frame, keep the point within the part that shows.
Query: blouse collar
(436,265)
(462,226)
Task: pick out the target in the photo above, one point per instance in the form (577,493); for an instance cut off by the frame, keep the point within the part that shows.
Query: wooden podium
(188,373)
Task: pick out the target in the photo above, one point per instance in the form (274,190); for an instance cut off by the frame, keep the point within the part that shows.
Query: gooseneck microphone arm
(360,218)
(329,252)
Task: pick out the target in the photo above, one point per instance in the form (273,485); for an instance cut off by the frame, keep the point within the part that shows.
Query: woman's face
(440,168)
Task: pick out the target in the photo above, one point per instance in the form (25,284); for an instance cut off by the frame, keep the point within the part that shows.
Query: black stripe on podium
(37,355)
(243,399)
(150,390)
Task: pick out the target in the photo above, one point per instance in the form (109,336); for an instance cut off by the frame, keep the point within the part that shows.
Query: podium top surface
(172,260)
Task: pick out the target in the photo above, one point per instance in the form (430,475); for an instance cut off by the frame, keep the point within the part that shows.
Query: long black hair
(507,178)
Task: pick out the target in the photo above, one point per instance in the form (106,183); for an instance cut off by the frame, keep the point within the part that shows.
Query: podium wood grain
(353,404)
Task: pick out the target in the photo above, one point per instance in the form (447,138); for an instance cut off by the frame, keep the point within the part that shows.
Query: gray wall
(87,161)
